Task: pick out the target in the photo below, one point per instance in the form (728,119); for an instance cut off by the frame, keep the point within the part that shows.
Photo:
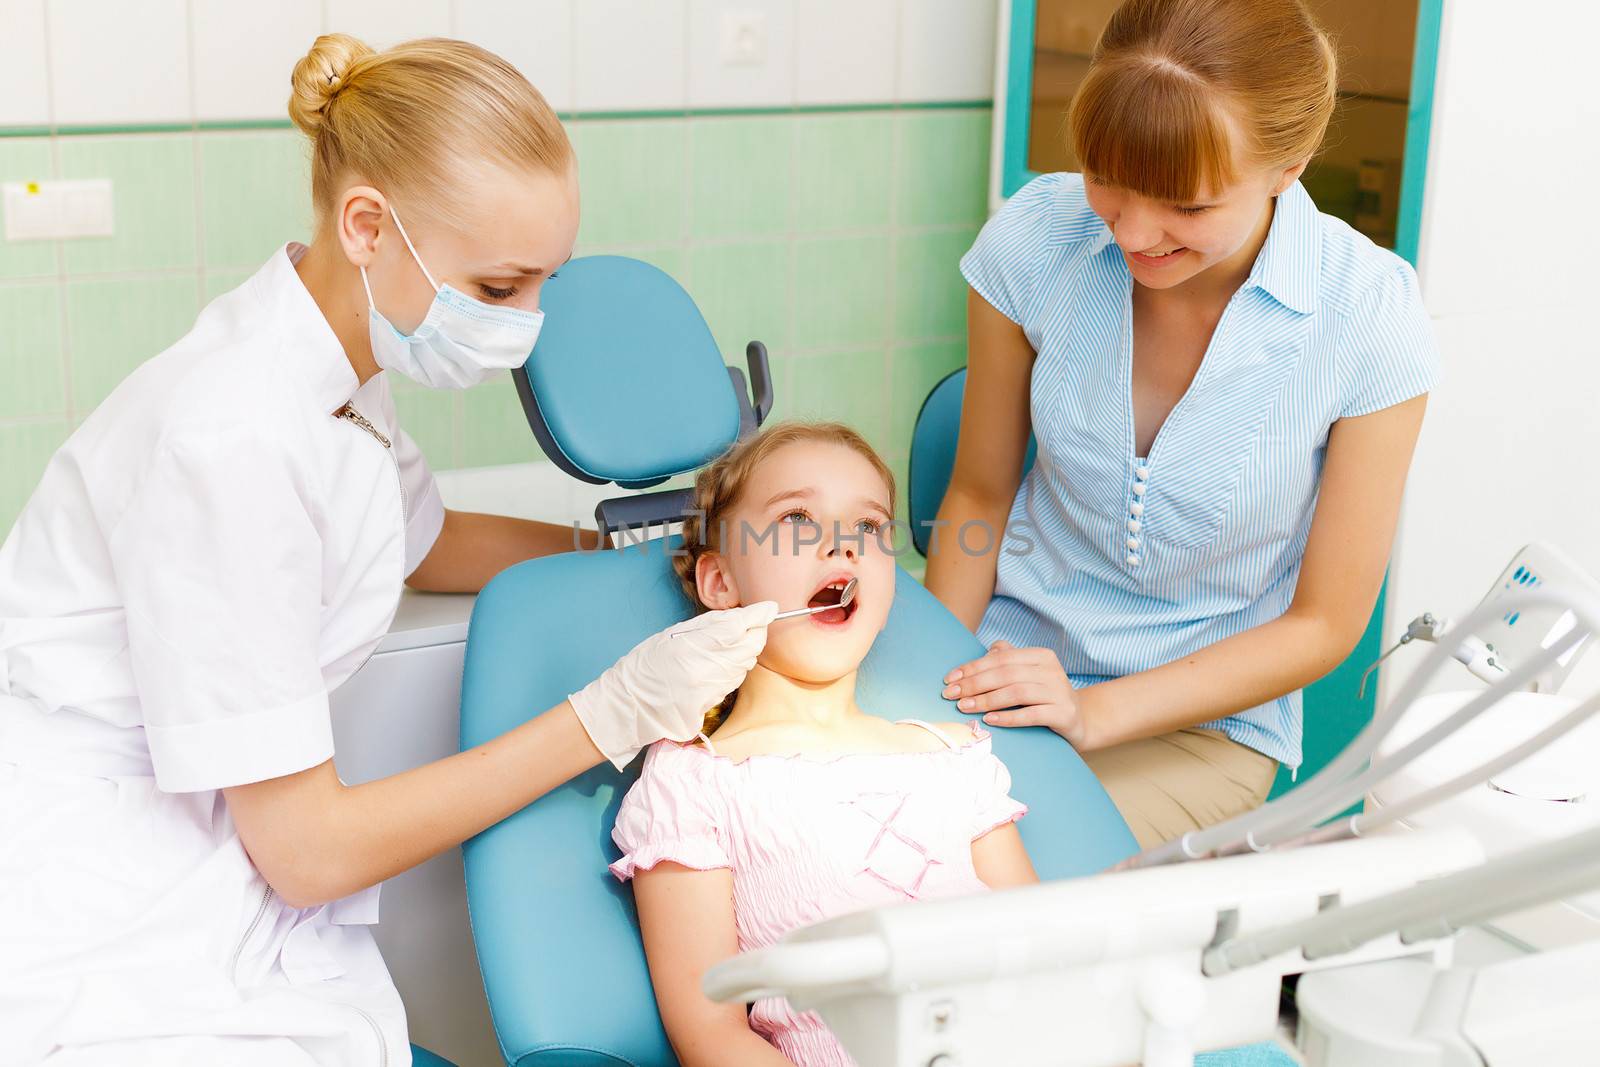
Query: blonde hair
(1150,114)
(404,118)
(717,491)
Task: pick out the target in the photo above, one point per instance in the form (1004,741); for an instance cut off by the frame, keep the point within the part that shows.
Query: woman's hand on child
(1030,682)
(666,684)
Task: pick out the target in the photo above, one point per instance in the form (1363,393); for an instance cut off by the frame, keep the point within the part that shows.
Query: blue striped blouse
(1121,563)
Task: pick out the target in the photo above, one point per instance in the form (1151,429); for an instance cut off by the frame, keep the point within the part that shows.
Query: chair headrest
(626,383)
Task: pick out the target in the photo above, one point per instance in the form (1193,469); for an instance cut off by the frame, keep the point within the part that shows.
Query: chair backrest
(627,384)
(1335,709)
(933,454)
(557,936)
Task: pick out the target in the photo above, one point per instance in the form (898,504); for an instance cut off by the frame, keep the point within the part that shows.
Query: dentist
(1226,387)
(183,877)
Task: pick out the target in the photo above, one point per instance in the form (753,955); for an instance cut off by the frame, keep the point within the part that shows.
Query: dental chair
(933,454)
(627,386)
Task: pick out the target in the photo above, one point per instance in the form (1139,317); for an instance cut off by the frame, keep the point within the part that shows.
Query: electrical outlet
(744,37)
(47,211)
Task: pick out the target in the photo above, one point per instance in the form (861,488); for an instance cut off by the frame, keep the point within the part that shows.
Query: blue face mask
(461,341)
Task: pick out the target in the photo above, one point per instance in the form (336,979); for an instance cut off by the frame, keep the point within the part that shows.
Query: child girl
(798,805)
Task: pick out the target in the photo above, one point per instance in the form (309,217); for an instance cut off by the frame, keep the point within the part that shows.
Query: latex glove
(666,684)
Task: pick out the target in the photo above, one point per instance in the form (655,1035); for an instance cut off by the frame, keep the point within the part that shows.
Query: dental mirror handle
(797,612)
(848,594)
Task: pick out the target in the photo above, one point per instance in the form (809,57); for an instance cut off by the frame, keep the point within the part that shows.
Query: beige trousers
(1166,786)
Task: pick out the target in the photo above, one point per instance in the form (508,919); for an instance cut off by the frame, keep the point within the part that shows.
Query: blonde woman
(1225,386)
(183,876)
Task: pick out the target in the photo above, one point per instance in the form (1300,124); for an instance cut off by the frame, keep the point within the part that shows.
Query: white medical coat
(204,560)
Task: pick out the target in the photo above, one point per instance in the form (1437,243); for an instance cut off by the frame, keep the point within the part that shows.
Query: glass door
(1369,172)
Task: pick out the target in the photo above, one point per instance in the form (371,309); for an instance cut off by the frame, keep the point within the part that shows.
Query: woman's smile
(1156,260)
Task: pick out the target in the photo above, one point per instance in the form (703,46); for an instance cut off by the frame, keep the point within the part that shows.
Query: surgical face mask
(460,343)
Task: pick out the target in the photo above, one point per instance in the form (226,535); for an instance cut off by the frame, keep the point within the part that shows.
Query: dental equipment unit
(1162,957)
(1486,656)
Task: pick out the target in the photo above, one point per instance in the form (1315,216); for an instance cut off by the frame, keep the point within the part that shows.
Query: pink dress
(808,838)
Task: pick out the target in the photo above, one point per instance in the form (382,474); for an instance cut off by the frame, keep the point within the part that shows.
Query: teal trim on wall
(1014,172)
(1419,128)
(565,116)
(1333,714)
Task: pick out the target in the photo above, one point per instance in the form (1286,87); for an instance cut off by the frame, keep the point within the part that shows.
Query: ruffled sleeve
(671,814)
(992,805)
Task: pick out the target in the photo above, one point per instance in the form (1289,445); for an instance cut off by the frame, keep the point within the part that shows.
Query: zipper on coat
(377,1032)
(249,931)
(355,418)
(238,954)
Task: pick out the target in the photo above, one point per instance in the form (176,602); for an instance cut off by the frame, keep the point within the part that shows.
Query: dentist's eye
(497,294)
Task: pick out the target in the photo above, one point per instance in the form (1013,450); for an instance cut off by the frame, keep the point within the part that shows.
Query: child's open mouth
(829,594)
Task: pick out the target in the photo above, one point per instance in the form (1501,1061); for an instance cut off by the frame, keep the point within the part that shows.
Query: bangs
(1145,124)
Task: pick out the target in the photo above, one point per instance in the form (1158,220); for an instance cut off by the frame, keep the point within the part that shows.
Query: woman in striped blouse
(1225,386)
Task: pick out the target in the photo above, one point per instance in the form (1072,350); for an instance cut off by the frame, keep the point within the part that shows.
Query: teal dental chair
(626,385)
(933,454)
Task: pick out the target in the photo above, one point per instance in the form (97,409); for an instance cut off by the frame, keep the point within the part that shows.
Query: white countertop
(428,619)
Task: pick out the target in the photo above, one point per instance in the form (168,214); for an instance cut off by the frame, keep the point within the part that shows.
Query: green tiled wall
(831,237)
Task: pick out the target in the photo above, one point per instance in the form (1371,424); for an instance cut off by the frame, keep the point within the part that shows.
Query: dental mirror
(847,594)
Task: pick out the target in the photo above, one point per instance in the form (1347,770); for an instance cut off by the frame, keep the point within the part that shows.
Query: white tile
(119,63)
(535,35)
(1504,223)
(765,82)
(630,55)
(946,49)
(381,23)
(844,51)
(244,54)
(24,81)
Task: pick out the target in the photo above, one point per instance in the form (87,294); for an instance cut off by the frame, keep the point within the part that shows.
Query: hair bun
(319,76)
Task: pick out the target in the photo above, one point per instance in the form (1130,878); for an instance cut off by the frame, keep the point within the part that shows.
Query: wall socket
(49,211)
(744,37)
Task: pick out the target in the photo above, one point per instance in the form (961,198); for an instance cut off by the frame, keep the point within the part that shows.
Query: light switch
(744,37)
(47,211)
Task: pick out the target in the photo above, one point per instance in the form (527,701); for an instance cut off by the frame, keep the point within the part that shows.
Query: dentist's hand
(1029,681)
(665,686)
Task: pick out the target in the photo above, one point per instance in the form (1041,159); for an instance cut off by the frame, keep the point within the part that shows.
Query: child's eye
(786,516)
(1193,210)
(870,526)
(497,294)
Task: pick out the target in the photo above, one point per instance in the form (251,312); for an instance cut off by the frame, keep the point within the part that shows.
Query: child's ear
(714,582)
